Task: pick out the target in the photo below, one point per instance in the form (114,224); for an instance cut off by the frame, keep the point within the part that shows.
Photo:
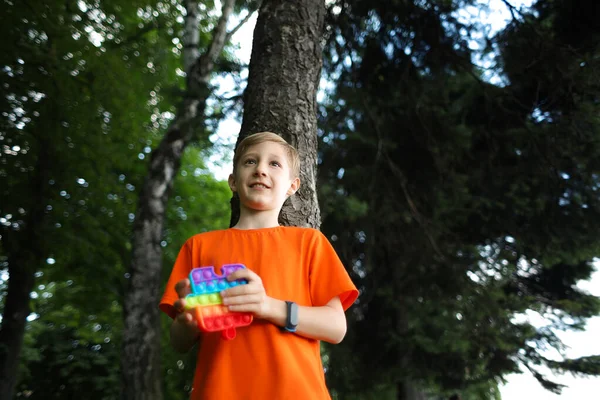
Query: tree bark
(140,365)
(16,310)
(25,253)
(140,362)
(408,391)
(281,96)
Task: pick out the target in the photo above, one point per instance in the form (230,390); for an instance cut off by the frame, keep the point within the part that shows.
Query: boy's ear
(294,186)
(231,181)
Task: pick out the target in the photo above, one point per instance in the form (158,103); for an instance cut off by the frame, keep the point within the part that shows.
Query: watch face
(292,314)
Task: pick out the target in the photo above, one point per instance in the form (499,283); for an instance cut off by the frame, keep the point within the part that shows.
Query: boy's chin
(258,207)
(261,207)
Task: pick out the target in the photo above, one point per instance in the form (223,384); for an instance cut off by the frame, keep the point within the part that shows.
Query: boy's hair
(261,137)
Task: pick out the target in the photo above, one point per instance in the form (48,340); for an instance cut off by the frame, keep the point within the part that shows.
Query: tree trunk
(25,253)
(140,362)
(16,310)
(406,388)
(281,96)
(407,391)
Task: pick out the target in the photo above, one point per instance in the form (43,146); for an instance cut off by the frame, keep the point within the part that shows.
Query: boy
(290,271)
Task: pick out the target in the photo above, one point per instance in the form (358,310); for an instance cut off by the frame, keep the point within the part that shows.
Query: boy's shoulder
(302,231)
(306,235)
(217,233)
(201,237)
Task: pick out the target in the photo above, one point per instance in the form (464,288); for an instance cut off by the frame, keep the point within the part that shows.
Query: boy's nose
(260,169)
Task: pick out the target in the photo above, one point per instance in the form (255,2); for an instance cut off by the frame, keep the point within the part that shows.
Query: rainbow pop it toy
(206,305)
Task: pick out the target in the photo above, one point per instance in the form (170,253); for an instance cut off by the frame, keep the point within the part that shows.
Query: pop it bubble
(205,302)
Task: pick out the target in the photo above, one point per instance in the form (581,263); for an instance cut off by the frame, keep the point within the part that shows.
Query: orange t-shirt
(264,362)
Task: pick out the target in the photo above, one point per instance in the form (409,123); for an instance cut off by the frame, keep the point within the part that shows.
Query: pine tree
(455,204)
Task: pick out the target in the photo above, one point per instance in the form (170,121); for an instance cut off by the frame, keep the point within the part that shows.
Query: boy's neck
(250,219)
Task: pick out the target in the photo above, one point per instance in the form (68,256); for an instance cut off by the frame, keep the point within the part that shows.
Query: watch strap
(291,320)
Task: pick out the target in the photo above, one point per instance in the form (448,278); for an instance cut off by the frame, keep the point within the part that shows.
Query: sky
(524,386)
(518,386)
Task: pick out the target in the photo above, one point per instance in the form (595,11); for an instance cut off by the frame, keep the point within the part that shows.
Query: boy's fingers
(243,273)
(185,318)
(239,274)
(183,288)
(234,291)
(243,308)
(244,299)
(179,305)
(240,290)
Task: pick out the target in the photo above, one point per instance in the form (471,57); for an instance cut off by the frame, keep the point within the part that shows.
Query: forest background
(458,180)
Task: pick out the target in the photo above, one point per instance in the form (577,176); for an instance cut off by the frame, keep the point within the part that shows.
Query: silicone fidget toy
(206,305)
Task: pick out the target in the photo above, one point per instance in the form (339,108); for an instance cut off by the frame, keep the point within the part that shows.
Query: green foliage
(69,351)
(199,204)
(89,88)
(481,199)
(84,114)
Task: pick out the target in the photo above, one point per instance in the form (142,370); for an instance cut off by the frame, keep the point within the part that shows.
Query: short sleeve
(327,276)
(181,270)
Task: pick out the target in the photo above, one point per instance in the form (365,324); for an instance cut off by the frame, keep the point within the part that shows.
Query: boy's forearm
(327,323)
(182,337)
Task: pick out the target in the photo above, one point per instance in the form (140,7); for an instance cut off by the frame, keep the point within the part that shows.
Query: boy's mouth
(259,185)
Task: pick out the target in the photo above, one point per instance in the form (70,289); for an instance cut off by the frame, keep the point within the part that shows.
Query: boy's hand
(247,298)
(183,288)
(184,329)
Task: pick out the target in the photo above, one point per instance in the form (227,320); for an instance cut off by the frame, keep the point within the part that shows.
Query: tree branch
(512,9)
(206,61)
(421,220)
(242,22)
(191,35)
(381,153)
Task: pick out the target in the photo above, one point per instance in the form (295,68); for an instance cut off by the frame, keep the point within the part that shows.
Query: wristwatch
(291,320)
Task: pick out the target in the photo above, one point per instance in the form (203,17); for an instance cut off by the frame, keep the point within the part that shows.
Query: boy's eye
(275,163)
(249,161)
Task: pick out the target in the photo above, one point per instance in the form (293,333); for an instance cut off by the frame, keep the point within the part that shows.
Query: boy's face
(263,178)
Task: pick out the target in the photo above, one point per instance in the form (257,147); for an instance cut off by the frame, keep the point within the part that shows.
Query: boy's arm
(327,323)
(184,329)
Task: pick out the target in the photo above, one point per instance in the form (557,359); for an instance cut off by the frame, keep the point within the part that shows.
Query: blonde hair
(261,137)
